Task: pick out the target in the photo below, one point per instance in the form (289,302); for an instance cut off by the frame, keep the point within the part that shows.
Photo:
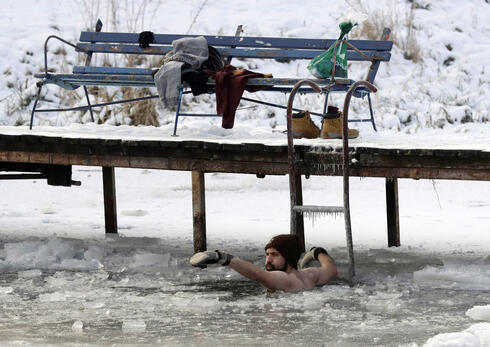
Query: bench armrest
(46,50)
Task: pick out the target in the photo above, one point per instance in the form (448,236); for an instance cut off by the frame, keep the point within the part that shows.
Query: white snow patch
(477,335)
(479,313)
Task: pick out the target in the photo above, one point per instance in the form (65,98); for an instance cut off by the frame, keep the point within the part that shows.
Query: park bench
(241,47)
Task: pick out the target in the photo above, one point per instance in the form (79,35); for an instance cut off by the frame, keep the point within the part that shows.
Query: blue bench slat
(112,70)
(216,40)
(259,53)
(148,80)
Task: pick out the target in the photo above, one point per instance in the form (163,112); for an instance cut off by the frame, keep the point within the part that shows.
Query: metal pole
(345,145)
(292,167)
(181,89)
(35,105)
(88,103)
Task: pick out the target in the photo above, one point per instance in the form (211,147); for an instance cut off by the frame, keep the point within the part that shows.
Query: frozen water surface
(101,291)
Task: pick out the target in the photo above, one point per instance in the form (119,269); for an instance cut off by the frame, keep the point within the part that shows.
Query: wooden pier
(52,157)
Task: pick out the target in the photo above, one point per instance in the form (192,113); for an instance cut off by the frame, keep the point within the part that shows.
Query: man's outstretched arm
(273,280)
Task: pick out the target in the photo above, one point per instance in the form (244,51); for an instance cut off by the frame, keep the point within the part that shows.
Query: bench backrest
(237,46)
(245,47)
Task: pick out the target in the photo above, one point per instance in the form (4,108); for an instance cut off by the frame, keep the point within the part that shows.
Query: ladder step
(318,209)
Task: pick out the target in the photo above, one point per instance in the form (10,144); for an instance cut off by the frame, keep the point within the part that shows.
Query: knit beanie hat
(289,245)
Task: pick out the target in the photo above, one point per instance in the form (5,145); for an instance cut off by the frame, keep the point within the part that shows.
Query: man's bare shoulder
(292,281)
(306,278)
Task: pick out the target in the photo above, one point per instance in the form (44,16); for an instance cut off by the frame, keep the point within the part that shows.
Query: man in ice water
(281,265)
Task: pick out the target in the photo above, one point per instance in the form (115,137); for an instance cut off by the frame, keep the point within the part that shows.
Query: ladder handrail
(345,169)
(292,163)
(291,160)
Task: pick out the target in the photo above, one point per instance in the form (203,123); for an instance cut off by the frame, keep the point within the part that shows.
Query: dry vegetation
(401,21)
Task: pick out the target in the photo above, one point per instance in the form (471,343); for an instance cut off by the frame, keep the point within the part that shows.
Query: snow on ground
(433,290)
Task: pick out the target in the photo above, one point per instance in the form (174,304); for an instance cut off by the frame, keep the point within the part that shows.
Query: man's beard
(271,267)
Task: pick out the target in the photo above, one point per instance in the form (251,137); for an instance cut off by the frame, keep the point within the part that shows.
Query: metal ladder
(294,169)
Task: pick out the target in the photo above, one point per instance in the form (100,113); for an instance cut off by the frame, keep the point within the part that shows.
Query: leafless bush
(133,15)
(401,21)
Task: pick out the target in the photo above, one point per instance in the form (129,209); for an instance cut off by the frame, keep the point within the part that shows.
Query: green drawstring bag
(321,66)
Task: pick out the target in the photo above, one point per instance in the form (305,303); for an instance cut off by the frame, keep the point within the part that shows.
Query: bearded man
(281,272)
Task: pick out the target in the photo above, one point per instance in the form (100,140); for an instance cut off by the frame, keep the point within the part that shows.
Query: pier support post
(198,211)
(392,214)
(110,211)
(300,225)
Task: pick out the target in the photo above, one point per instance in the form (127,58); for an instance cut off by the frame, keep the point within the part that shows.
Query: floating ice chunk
(142,260)
(78,264)
(456,276)
(77,327)
(479,313)
(95,252)
(52,297)
(134,326)
(93,305)
(195,304)
(29,273)
(6,290)
(311,303)
(384,302)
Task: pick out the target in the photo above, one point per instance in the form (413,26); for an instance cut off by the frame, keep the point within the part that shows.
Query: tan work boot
(332,125)
(303,126)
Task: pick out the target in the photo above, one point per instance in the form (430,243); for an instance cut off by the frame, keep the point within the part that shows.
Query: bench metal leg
(393,219)
(88,103)
(198,211)
(371,112)
(325,104)
(34,107)
(110,211)
(181,91)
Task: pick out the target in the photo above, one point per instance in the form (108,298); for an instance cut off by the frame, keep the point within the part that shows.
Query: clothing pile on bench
(193,61)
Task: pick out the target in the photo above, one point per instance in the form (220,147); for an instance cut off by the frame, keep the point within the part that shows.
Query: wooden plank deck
(53,156)
(249,158)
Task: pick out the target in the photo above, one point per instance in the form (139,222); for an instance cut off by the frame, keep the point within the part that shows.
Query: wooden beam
(249,166)
(110,211)
(198,211)
(392,214)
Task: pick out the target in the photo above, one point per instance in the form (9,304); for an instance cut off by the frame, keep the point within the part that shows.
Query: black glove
(145,38)
(201,259)
(312,255)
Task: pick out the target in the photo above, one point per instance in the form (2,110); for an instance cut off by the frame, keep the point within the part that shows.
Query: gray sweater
(193,51)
